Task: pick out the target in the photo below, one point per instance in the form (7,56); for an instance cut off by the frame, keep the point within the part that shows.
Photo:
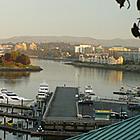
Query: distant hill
(74,40)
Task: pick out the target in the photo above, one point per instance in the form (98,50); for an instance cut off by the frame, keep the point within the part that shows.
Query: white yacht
(43,91)
(88,95)
(88,91)
(13,98)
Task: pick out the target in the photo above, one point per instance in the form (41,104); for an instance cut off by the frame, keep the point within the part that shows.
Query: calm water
(104,82)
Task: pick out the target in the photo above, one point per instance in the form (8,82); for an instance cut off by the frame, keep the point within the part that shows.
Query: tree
(8,58)
(15,57)
(23,59)
(135,29)
(15,54)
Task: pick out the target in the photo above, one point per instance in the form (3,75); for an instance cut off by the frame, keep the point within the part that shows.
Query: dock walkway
(63,104)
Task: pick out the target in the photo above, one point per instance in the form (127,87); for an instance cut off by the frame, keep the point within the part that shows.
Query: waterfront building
(130,56)
(113,51)
(101,59)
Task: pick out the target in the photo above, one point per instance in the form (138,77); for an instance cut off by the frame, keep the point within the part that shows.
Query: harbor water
(57,73)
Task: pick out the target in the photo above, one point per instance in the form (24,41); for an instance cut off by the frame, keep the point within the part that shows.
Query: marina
(61,115)
(62,118)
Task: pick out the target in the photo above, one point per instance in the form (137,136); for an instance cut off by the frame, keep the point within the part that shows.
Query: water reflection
(108,76)
(13,77)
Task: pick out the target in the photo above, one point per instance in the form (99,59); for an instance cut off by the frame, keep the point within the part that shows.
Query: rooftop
(128,129)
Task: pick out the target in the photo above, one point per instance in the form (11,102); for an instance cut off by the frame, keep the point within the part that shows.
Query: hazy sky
(100,19)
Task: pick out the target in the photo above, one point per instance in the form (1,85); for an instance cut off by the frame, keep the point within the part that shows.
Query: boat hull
(19,102)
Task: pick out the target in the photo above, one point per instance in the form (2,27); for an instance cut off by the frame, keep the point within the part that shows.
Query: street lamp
(78,84)
(78,81)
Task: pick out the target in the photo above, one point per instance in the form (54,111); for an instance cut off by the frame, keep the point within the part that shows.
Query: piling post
(4,120)
(12,111)
(85,125)
(54,124)
(4,125)
(75,126)
(4,135)
(39,104)
(33,112)
(64,125)
(26,136)
(21,105)
(27,123)
(7,104)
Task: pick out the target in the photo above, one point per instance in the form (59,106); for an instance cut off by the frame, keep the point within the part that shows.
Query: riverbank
(132,68)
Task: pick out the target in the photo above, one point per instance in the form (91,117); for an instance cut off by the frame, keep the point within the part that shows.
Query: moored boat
(128,94)
(43,91)
(12,98)
(88,90)
(88,96)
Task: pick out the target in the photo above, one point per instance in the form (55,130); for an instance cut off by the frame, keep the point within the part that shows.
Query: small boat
(88,90)
(10,122)
(88,96)
(43,91)
(12,98)
(128,94)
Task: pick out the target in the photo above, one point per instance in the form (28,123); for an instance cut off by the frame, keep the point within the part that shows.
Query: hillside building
(33,46)
(21,46)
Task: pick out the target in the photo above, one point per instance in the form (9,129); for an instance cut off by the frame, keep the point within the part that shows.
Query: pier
(62,105)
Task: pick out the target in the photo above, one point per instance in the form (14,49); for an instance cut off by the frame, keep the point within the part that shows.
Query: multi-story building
(113,51)
(21,46)
(130,56)
(101,59)
(33,46)
(83,49)
(99,49)
(6,47)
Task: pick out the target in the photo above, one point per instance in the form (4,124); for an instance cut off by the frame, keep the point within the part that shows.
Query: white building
(83,49)
(101,59)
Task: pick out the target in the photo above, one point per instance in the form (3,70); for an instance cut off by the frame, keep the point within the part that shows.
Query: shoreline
(19,69)
(131,68)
